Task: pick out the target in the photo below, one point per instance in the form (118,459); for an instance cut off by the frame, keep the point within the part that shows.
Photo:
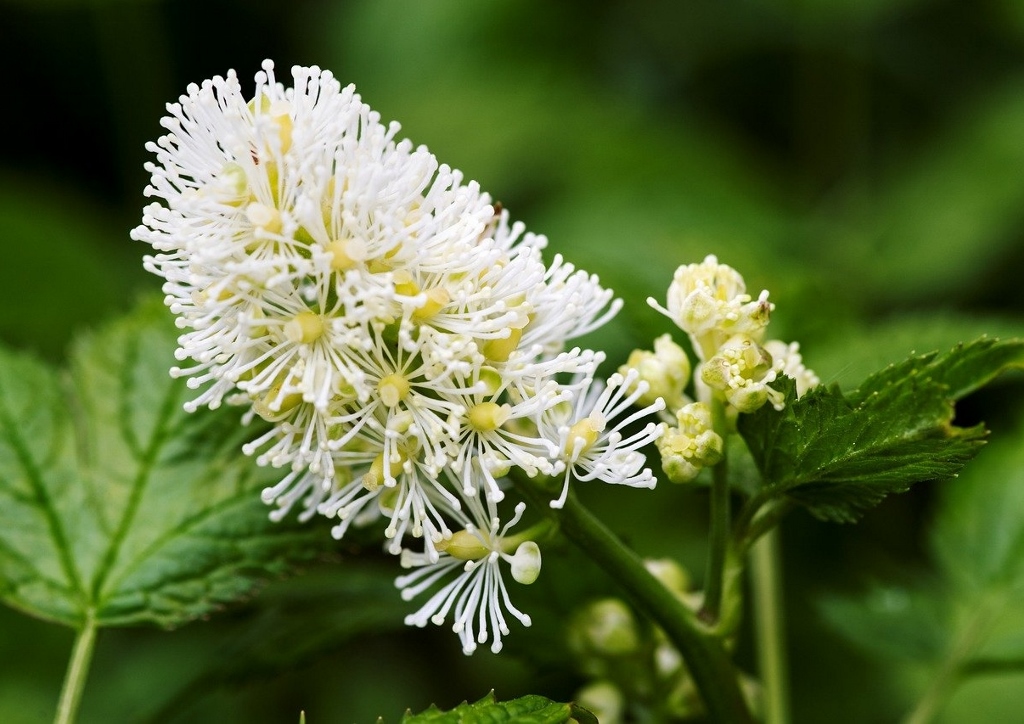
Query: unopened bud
(526,562)
(606,627)
(691,446)
(666,371)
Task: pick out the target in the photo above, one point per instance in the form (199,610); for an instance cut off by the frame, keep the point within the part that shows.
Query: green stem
(765,569)
(709,664)
(718,534)
(763,522)
(78,671)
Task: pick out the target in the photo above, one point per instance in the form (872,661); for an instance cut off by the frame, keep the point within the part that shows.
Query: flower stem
(78,671)
(718,535)
(765,568)
(709,664)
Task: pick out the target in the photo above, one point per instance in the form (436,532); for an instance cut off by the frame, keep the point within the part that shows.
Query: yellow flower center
(488,416)
(587,431)
(305,328)
(393,389)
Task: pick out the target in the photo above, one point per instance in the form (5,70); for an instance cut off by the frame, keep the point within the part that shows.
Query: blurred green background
(861,159)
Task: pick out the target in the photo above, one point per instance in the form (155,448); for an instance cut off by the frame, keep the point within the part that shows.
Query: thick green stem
(709,664)
(765,569)
(78,671)
(718,534)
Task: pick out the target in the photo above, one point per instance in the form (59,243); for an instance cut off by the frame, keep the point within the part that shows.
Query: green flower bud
(672,575)
(604,700)
(605,627)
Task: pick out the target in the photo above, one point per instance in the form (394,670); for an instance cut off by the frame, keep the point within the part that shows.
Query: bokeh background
(862,159)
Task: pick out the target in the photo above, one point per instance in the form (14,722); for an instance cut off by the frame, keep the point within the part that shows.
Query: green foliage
(838,454)
(524,710)
(47,253)
(120,507)
(853,354)
(968,619)
(898,621)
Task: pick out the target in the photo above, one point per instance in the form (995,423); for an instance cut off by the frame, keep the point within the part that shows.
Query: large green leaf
(117,506)
(968,621)
(840,454)
(979,532)
(524,710)
(906,622)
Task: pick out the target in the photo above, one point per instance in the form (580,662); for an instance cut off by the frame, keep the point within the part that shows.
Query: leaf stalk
(77,673)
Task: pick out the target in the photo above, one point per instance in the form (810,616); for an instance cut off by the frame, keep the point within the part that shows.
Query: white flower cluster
(726,327)
(407,343)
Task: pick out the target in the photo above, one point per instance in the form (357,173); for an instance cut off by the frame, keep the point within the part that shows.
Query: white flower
(591,438)
(787,359)
(477,597)
(399,334)
(741,372)
(710,303)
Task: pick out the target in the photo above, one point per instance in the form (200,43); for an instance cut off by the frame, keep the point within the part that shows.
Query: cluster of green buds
(633,667)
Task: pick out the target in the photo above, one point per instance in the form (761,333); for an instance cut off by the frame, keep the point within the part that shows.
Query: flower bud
(672,575)
(710,303)
(789,361)
(605,627)
(742,371)
(526,562)
(666,371)
(691,446)
(604,700)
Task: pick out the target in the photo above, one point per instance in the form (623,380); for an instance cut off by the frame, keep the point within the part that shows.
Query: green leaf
(60,270)
(839,455)
(892,621)
(978,536)
(968,622)
(524,710)
(117,505)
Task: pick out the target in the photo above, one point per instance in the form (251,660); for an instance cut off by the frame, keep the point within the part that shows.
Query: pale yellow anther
(405,284)
(274,406)
(375,477)
(264,217)
(437,299)
(393,389)
(280,112)
(464,546)
(488,416)
(346,253)
(233,184)
(499,350)
(305,328)
(587,431)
